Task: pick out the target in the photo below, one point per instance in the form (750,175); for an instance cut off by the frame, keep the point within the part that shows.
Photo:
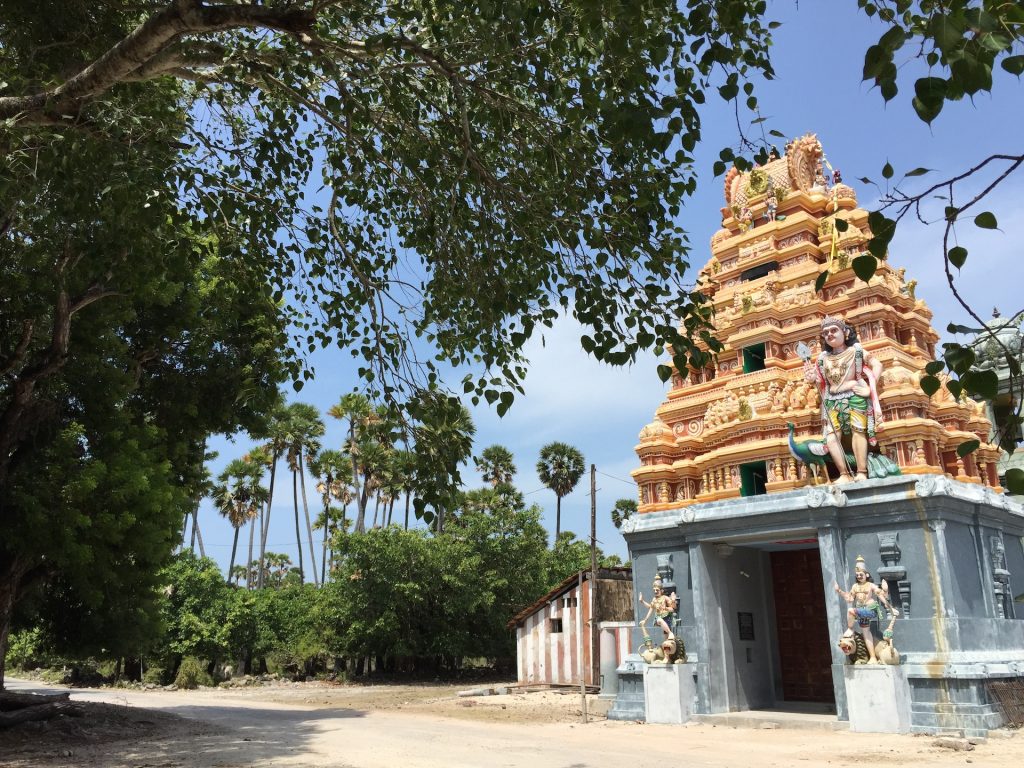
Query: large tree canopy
(461,173)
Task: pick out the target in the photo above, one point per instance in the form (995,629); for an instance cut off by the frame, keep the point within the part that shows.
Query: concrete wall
(953,640)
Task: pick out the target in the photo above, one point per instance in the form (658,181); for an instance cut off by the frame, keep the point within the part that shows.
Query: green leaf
(986,220)
(918,172)
(957,256)
(955,388)
(864,266)
(930,385)
(954,328)
(1014,480)
(967,446)
(820,282)
(935,366)
(887,171)
(1013,64)
(958,358)
(927,110)
(841,225)
(982,384)
(664,372)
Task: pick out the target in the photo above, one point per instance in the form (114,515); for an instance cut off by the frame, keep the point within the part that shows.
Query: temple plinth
(722,431)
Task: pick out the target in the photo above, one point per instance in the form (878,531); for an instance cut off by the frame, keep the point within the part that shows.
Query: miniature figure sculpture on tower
(847,376)
(866,601)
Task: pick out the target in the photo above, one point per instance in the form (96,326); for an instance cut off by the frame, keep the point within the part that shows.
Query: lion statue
(671,651)
(853,646)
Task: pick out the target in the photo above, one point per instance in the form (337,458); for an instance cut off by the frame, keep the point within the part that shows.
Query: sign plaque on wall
(746,622)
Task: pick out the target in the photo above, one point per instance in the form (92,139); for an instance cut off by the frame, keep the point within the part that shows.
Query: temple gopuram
(722,431)
(890,600)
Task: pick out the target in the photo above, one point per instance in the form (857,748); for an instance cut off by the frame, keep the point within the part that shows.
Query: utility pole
(595,630)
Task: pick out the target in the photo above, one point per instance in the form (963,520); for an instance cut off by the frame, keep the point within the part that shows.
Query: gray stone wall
(949,543)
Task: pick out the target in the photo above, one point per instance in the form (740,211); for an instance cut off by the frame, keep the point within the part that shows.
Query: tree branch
(146,42)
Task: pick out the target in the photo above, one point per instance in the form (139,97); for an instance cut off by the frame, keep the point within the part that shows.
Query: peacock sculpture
(814,453)
(811,452)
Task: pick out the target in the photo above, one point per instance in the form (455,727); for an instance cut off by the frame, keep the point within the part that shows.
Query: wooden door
(805,655)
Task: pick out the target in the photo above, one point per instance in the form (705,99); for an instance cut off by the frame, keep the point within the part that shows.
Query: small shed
(565,631)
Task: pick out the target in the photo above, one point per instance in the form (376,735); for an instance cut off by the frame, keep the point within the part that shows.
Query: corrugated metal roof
(617,573)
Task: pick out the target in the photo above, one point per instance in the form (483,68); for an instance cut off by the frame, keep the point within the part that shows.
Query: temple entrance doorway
(804,646)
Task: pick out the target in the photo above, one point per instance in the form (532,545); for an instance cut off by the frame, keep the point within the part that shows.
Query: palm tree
(560,469)
(334,482)
(404,477)
(622,511)
(496,464)
(260,458)
(202,487)
(444,440)
(305,431)
(238,496)
(277,432)
(356,408)
(277,565)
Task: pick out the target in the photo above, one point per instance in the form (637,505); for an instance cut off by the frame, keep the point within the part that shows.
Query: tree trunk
(323,552)
(266,521)
(376,508)
(43,709)
(558,516)
(309,527)
(184,528)
(248,563)
(359,495)
(298,532)
(234,549)
(361,513)
(197,532)
(6,611)
(391,509)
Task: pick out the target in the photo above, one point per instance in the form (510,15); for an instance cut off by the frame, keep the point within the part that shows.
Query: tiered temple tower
(721,433)
(754,556)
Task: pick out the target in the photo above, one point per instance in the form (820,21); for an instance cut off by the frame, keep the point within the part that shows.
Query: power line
(613,477)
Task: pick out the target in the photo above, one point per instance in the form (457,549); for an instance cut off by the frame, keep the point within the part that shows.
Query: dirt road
(428,727)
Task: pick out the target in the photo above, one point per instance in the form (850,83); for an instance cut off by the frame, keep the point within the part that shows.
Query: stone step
(775,718)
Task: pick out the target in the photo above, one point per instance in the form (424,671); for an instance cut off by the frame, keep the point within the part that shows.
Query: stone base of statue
(878,697)
(669,693)
(629,698)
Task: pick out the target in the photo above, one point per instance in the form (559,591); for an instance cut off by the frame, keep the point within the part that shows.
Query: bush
(156,675)
(192,673)
(24,649)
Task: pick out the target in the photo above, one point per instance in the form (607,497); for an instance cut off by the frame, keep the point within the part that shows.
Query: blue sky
(818,56)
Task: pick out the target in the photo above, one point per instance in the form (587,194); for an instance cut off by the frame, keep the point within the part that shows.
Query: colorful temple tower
(763,566)
(721,433)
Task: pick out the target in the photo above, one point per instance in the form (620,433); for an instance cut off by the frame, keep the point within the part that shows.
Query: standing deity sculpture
(847,378)
(867,600)
(663,608)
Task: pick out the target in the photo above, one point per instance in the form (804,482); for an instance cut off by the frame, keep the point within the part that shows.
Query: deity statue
(662,607)
(866,600)
(837,177)
(745,219)
(847,378)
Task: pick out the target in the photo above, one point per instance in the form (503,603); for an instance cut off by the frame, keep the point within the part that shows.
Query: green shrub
(24,649)
(156,676)
(192,673)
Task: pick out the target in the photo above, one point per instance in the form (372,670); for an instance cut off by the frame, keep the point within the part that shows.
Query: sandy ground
(427,727)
